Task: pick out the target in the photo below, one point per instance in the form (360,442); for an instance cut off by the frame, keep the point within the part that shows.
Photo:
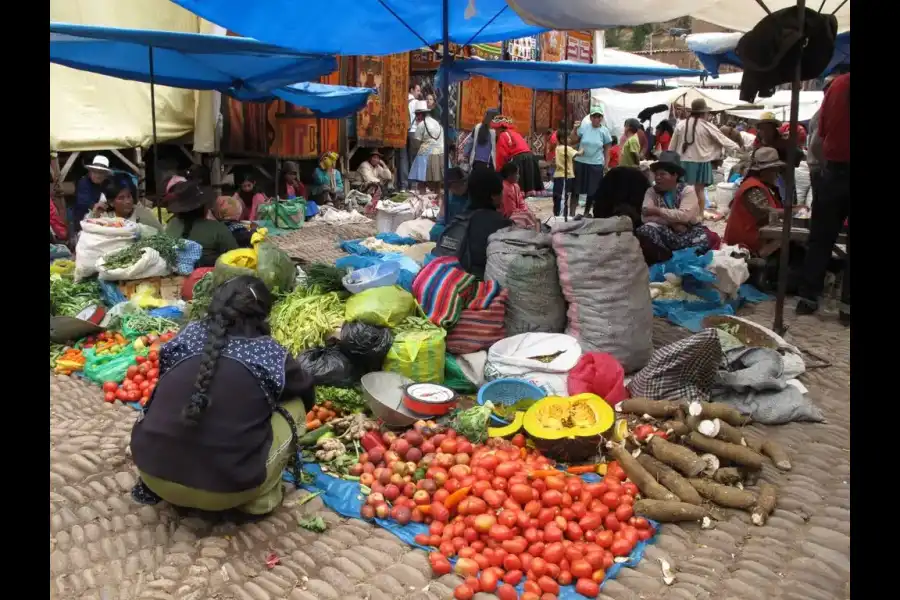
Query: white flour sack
(606,283)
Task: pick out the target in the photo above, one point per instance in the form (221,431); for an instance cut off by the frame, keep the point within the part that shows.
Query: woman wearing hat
(594,142)
(428,166)
(699,143)
(671,210)
(375,173)
(512,147)
(756,204)
(290,185)
(190,203)
(328,185)
(89,190)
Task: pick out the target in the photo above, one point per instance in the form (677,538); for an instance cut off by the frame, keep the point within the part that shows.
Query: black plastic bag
(366,345)
(328,366)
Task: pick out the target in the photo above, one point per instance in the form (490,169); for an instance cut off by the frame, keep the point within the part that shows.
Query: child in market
(564,177)
(513,204)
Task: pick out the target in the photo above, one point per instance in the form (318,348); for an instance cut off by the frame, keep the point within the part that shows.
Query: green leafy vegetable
(203,291)
(348,400)
(142,323)
(316,524)
(473,423)
(68,298)
(326,278)
(167,247)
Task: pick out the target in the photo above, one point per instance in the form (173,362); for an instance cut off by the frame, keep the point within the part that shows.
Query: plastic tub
(508,392)
(382,274)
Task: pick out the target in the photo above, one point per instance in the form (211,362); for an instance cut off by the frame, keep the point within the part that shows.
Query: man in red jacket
(832,206)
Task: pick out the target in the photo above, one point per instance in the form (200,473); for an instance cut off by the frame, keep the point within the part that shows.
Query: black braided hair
(239,306)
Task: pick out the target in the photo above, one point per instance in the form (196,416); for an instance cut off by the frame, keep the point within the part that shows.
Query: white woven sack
(151,264)
(605,281)
(97,239)
(516,357)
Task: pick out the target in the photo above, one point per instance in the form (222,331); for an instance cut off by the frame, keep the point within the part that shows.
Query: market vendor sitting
(671,210)
(290,185)
(118,201)
(466,236)
(328,184)
(220,426)
(375,174)
(251,198)
(89,190)
(228,210)
(457,200)
(756,204)
(189,203)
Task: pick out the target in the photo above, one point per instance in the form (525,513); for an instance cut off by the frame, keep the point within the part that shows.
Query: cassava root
(682,459)
(717,410)
(723,495)
(765,504)
(639,476)
(741,455)
(669,512)
(670,478)
(719,429)
(728,476)
(660,409)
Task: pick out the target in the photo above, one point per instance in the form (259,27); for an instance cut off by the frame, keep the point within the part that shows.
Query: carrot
(314,424)
(583,469)
(544,473)
(456,497)
(425,509)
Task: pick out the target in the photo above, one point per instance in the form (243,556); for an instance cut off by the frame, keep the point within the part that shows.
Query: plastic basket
(382,274)
(508,392)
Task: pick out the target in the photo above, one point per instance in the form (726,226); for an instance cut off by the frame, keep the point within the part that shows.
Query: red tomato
(152,373)
(551,498)
(140,359)
(587,587)
(548,585)
(531,586)
(604,539)
(629,488)
(539,566)
(507,518)
(507,592)
(621,547)
(122,395)
(153,356)
(521,493)
(513,577)
(611,499)
(612,523)
(506,469)
(131,372)
(488,581)
(134,396)
(554,553)
(109,397)
(624,512)
(463,592)
(517,545)
(641,523)
(556,482)
(565,578)
(530,596)
(626,499)
(590,521)
(512,563)
(110,386)
(595,559)
(518,441)
(138,378)
(630,534)
(644,534)
(581,568)
(552,533)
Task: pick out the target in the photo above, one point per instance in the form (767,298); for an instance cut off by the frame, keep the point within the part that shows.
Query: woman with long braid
(699,143)
(221,424)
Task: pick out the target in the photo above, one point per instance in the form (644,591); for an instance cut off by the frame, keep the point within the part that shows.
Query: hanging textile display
(478,95)
(370,120)
(551,45)
(396,116)
(525,48)
(580,46)
(517,105)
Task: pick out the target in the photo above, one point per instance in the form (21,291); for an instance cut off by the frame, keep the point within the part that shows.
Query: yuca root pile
(698,456)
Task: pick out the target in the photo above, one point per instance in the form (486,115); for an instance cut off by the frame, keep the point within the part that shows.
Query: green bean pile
(302,321)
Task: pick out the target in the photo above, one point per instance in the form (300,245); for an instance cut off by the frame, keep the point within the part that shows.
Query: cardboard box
(167,288)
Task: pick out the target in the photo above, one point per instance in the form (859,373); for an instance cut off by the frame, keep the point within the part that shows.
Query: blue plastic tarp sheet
(408,267)
(713,55)
(698,281)
(355,27)
(356,247)
(240,67)
(561,75)
(346,499)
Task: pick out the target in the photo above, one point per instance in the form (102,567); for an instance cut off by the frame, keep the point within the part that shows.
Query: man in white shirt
(374,172)
(403,156)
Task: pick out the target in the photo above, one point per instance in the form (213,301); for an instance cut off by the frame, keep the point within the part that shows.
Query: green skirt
(257,501)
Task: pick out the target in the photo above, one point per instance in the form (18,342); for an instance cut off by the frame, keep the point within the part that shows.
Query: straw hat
(100,164)
(669,160)
(699,107)
(765,158)
(769,117)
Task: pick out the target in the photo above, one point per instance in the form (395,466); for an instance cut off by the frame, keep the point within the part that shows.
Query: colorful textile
(443,290)
(187,257)
(482,323)
(664,236)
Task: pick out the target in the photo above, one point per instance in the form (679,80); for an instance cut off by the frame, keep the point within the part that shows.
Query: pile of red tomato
(505,514)
(140,381)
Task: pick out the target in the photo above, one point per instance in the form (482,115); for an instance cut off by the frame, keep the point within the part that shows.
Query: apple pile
(503,512)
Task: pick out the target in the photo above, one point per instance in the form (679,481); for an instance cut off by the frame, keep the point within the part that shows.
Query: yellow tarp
(95,112)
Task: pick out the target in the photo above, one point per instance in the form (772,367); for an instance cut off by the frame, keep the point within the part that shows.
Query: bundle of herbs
(167,247)
(68,298)
(324,278)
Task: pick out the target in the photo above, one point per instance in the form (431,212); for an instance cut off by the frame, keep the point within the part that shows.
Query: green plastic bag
(275,267)
(110,367)
(284,214)
(419,355)
(385,306)
(454,377)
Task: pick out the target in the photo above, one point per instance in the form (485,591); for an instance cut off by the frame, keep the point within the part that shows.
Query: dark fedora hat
(187,196)
(669,160)
(455,175)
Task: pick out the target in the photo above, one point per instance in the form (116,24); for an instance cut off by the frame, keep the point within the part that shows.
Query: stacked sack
(522,261)
(604,279)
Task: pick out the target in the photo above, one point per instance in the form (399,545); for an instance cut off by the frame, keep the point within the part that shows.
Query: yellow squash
(510,430)
(569,429)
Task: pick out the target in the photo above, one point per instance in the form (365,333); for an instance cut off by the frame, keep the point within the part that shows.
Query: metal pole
(565,198)
(445,98)
(790,186)
(155,147)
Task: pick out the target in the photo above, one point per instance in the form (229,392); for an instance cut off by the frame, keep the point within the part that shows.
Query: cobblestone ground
(104,546)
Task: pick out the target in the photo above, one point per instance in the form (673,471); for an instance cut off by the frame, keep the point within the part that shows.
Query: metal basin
(383,391)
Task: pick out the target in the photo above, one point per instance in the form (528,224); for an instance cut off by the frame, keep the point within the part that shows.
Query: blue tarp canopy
(357,27)
(553,75)
(242,68)
(713,52)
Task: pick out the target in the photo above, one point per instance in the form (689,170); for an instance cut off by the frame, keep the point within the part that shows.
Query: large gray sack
(605,281)
(522,261)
